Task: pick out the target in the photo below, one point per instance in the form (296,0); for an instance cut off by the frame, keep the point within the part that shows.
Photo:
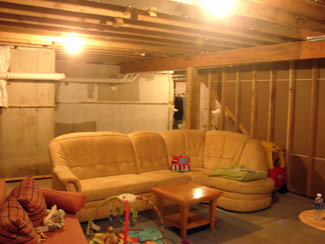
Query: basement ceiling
(123,32)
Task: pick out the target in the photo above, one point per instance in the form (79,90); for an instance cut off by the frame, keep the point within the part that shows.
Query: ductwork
(31,76)
(127,78)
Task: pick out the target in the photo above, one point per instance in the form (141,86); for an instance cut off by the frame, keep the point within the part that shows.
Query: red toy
(181,163)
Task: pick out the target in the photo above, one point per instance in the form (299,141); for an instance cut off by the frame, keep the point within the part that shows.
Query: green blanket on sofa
(238,172)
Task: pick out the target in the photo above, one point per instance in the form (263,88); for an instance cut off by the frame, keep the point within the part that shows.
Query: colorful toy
(277,173)
(181,163)
(123,236)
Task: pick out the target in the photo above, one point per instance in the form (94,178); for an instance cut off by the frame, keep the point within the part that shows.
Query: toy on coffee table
(149,235)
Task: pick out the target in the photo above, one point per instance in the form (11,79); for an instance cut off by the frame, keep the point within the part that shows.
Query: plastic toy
(181,163)
(277,173)
(123,235)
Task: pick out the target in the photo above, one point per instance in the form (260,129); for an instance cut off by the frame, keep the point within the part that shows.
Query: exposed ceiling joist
(270,53)
(146,30)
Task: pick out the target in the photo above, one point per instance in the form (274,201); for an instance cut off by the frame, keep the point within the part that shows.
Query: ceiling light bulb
(73,44)
(219,8)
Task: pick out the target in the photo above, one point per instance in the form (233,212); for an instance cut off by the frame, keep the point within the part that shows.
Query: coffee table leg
(212,212)
(183,220)
(160,205)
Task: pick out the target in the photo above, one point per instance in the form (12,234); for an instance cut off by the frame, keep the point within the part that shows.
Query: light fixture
(73,44)
(216,8)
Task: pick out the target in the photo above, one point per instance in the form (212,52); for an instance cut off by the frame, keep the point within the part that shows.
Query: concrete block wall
(27,126)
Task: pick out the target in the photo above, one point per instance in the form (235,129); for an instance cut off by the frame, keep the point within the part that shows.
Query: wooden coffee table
(185,195)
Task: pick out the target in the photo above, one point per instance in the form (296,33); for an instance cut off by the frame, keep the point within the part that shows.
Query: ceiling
(123,32)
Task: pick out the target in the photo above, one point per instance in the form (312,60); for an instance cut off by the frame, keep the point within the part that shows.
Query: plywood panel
(301,118)
(282,70)
(262,110)
(318,177)
(320,128)
(281,112)
(298,174)
(245,111)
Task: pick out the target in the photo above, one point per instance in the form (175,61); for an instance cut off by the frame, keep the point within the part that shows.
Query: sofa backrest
(186,143)
(253,156)
(224,148)
(149,150)
(93,154)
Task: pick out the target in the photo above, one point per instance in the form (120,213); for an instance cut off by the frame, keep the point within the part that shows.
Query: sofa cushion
(262,186)
(15,225)
(149,150)
(164,177)
(223,148)
(30,197)
(103,187)
(93,154)
(187,143)
(70,202)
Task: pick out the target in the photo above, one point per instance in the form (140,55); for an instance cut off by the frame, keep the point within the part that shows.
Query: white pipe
(128,78)
(31,76)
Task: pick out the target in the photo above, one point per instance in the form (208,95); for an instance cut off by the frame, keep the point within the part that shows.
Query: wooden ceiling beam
(298,7)
(31,35)
(78,6)
(93,22)
(270,53)
(276,15)
(107,10)
(158,37)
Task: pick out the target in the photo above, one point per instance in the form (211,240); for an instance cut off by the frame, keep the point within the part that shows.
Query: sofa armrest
(70,202)
(3,192)
(66,178)
(253,156)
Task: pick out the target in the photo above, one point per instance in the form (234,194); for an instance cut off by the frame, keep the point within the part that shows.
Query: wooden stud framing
(270,124)
(254,103)
(223,94)
(192,117)
(312,127)
(290,121)
(238,101)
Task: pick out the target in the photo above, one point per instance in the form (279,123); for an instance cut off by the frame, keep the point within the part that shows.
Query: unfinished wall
(144,104)
(302,137)
(27,126)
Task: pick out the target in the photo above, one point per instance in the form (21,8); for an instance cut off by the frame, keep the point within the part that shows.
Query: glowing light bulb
(218,8)
(73,44)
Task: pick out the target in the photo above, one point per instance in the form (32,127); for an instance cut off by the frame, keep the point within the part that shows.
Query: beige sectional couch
(103,164)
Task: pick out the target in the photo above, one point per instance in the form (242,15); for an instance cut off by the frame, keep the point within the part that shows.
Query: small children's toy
(126,236)
(181,163)
(53,221)
(277,173)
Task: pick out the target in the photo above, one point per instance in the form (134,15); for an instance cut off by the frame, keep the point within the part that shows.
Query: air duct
(127,78)
(31,76)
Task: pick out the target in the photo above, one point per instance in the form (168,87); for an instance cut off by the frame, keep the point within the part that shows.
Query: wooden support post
(270,123)
(290,121)
(223,98)
(312,127)
(192,117)
(209,99)
(254,102)
(238,101)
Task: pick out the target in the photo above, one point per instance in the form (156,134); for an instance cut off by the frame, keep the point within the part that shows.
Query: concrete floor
(277,224)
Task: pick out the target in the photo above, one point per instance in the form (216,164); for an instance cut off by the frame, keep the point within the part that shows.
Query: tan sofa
(103,164)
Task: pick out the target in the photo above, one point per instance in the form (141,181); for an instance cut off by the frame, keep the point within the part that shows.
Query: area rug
(227,227)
